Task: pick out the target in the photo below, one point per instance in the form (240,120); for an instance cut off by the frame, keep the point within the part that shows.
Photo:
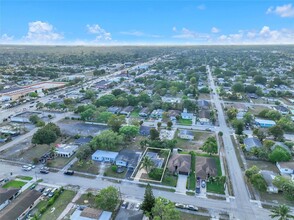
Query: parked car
(137,207)
(51,194)
(203,184)
(42,189)
(125,205)
(180,206)
(46,192)
(33,186)
(28,169)
(69,172)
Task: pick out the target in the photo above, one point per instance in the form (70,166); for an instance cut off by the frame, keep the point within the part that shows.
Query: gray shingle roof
(252,142)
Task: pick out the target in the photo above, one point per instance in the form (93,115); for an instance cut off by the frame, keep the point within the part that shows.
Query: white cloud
(263,36)
(41,32)
(201,7)
(215,30)
(189,34)
(101,34)
(174,29)
(283,11)
(5,38)
(133,33)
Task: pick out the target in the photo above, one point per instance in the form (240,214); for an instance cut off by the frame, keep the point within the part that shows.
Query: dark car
(41,190)
(44,171)
(69,172)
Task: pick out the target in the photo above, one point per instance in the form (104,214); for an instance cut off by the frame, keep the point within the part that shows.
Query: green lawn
(59,162)
(25,177)
(90,200)
(86,167)
(169,179)
(184,121)
(59,205)
(215,188)
(111,173)
(14,184)
(135,113)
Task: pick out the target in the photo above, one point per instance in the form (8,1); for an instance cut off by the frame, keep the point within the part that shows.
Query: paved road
(244,207)
(30,134)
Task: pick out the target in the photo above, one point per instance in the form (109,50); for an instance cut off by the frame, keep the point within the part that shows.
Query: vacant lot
(262,165)
(80,127)
(59,205)
(256,109)
(194,145)
(86,167)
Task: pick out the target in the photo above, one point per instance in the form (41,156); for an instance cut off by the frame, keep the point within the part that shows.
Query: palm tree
(282,212)
(147,163)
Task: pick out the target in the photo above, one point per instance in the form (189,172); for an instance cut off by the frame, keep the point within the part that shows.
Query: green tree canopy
(149,200)
(279,154)
(115,122)
(277,132)
(164,210)
(210,145)
(129,131)
(107,199)
(282,212)
(106,140)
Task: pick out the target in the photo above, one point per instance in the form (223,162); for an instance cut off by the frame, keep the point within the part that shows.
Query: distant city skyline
(115,22)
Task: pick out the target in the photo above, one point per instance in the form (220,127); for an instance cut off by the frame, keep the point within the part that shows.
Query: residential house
(186,115)
(127,110)
(240,115)
(157,113)
(203,104)
(205,167)
(263,123)
(286,167)
(269,176)
(19,207)
(180,164)
(144,112)
(144,130)
(252,142)
(282,109)
(6,196)
(114,109)
(66,150)
(129,214)
(252,96)
(104,156)
(157,161)
(103,84)
(282,145)
(173,114)
(90,214)
(127,158)
(186,134)
(204,117)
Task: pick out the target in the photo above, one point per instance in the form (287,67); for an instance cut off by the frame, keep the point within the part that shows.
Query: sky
(152,22)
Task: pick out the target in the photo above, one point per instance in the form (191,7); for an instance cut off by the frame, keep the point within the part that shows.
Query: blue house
(104,156)
(264,123)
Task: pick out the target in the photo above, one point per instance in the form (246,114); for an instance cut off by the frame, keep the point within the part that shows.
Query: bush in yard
(43,209)
(114,168)
(156,173)
(279,154)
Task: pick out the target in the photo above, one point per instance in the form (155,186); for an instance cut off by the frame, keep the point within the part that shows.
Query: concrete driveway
(181,184)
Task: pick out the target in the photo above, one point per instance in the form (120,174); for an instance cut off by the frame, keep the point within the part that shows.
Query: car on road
(137,207)
(33,186)
(44,171)
(207,129)
(69,172)
(41,190)
(180,206)
(192,208)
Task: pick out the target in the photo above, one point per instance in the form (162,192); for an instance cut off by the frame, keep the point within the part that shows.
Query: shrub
(114,168)
(156,173)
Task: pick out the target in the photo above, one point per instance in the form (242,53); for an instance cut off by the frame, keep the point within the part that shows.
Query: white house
(104,156)
(269,176)
(286,167)
(186,115)
(186,134)
(66,150)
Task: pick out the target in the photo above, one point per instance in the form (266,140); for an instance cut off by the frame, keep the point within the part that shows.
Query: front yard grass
(109,172)
(14,184)
(60,204)
(184,122)
(25,177)
(169,179)
(189,216)
(89,198)
(213,187)
(59,162)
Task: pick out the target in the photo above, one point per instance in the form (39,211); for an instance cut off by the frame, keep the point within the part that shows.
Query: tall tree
(149,200)
(164,210)
(147,163)
(129,131)
(115,122)
(107,198)
(282,212)
(154,134)
(277,132)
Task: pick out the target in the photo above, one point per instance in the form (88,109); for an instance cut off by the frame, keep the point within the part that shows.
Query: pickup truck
(69,172)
